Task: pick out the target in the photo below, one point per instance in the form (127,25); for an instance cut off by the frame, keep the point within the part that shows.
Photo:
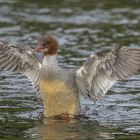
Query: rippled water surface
(81,27)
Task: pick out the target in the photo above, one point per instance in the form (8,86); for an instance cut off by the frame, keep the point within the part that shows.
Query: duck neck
(50,68)
(50,61)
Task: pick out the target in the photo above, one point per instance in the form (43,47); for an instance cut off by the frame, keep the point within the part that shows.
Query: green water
(81,26)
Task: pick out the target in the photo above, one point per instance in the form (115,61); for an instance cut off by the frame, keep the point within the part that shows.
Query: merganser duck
(60,88)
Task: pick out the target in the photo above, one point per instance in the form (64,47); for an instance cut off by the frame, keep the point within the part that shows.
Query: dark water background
(81,27)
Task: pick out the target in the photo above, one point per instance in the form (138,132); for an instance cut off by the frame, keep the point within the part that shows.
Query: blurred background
(81,27)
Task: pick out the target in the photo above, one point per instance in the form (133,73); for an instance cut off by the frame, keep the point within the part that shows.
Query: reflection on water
(71,130)
(81,27)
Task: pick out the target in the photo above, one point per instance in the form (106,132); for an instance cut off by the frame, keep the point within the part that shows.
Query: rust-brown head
(47,44)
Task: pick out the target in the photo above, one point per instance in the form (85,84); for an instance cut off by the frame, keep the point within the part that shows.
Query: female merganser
(60,88)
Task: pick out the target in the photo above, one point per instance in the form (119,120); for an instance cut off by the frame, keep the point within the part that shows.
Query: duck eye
(43,45)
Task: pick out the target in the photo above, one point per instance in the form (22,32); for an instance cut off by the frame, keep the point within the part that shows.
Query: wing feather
(105,68)
(20,60)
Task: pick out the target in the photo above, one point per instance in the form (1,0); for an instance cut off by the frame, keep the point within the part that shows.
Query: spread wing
(106,67)
(20,60)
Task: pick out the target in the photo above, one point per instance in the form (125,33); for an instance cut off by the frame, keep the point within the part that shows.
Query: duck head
(47,44)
